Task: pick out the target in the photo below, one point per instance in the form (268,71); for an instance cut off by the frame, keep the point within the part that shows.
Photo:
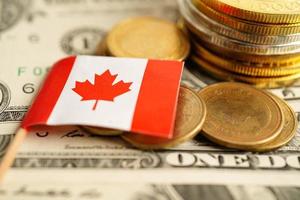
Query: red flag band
(137,95)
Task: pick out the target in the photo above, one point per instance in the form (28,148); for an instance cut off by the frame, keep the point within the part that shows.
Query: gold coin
(288,131)
(148,37)
(248,26)
(260,60)
(263,82)
(240,116)
(205,35)
(272,11)
(101,131)
(190,116)
(195,18)
(236,67)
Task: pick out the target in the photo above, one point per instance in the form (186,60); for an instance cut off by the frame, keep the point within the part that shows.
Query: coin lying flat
(101,131)
(205,35)
(148,37)
(263,82)
(190,116)
(248,26)
(240,116)
(195,18)
(274,11)
(255,42)
(262,60)
(288,131)
(236,67)
(213,38)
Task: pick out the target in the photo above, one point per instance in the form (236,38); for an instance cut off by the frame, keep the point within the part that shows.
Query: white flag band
(129,94)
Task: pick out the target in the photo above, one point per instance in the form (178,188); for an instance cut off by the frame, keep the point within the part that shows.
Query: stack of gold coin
(146,37)
(243,117)
(234,115)
(256,42)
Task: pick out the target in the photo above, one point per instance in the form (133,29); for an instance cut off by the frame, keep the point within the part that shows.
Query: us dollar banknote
(36,33)
(145,192)
(68,163)
(71,164)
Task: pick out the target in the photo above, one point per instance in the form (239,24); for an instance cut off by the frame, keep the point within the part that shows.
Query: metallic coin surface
(148,37)
(101,131)
(271,11)
(195,18)
(250,70)
(210,37)
(190,116)
(288,131)
(230,47)
(260,60)
(260,82)
(248,26)
(240,116)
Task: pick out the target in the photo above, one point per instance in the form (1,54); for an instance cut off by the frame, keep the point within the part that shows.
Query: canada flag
(130,94)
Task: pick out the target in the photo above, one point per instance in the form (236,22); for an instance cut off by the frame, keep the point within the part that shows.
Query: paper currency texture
(71,164)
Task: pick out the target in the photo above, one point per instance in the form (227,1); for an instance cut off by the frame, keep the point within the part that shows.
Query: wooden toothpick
(11,152)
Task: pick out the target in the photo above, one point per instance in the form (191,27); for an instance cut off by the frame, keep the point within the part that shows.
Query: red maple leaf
(102,89)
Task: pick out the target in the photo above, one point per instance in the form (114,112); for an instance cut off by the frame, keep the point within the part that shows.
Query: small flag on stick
(129,94)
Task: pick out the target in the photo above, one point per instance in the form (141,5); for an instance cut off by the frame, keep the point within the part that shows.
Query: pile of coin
(233,115)
(256,42)
(243,117)
(145,37)
(151,37)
